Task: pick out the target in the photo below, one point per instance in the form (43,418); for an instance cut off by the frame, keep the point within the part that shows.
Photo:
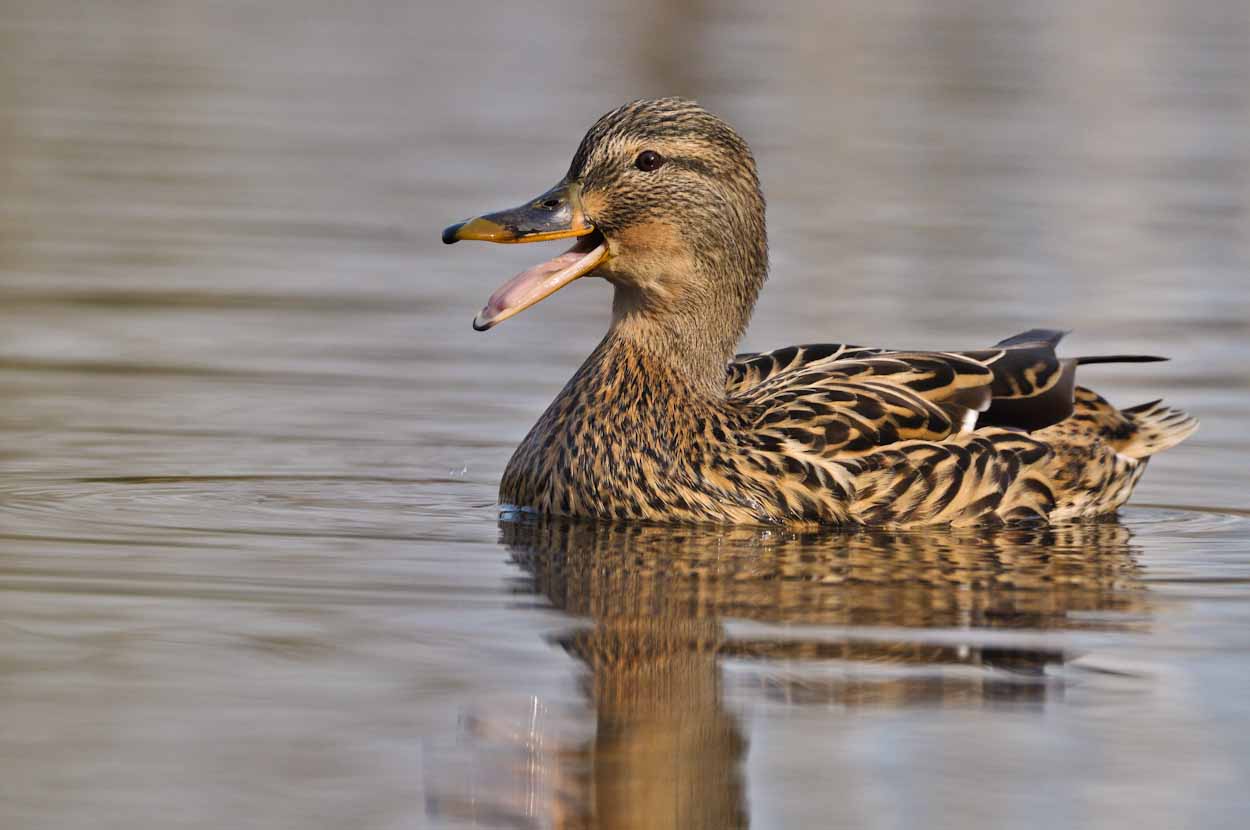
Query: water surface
(254,571)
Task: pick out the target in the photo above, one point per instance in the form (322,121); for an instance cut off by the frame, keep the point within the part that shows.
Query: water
(254,573)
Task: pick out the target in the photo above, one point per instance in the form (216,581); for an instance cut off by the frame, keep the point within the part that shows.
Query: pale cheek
(593,203)
(651,257)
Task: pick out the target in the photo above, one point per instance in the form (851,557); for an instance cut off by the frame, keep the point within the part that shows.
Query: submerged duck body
(663,423)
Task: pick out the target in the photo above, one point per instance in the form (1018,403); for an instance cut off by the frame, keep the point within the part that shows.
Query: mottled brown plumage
(654,427)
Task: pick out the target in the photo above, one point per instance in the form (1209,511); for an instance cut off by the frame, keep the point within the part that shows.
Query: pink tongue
(532,282)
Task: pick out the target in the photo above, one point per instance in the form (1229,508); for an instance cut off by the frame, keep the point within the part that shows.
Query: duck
(665,423)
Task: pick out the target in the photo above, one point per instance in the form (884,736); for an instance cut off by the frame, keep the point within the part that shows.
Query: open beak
(557,214)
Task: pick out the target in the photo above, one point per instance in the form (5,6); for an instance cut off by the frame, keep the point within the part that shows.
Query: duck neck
(693,339)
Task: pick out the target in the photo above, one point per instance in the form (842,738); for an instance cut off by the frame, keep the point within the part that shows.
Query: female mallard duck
(663,423)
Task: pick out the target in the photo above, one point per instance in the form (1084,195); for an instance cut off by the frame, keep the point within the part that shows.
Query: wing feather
(1019,383)
(842,406)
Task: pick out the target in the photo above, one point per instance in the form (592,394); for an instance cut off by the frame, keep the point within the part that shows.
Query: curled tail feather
(1155,428)
(1136,432)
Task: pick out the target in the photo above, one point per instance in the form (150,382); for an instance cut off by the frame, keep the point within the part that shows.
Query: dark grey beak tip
(449,233)
(481,326)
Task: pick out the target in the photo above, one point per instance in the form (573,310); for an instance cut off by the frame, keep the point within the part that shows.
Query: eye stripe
(693,165)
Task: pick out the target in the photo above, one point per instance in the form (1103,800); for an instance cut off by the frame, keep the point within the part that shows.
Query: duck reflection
(848,619)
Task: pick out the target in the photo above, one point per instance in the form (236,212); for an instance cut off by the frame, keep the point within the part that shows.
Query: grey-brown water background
(253,570)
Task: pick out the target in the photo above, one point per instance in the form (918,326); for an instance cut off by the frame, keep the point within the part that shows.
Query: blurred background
(249,444)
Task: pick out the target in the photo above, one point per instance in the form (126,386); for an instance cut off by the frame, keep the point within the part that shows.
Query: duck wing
(849,405)
(1019,383)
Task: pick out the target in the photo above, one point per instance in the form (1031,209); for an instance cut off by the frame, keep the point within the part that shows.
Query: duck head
(663,200)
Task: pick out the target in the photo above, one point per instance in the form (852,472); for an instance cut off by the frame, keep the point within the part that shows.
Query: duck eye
(648,160)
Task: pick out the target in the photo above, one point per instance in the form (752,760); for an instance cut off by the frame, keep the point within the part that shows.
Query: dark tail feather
(1049,337)
(1120,358)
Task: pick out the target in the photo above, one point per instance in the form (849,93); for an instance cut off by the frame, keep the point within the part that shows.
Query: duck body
(662,423)
(833,434)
